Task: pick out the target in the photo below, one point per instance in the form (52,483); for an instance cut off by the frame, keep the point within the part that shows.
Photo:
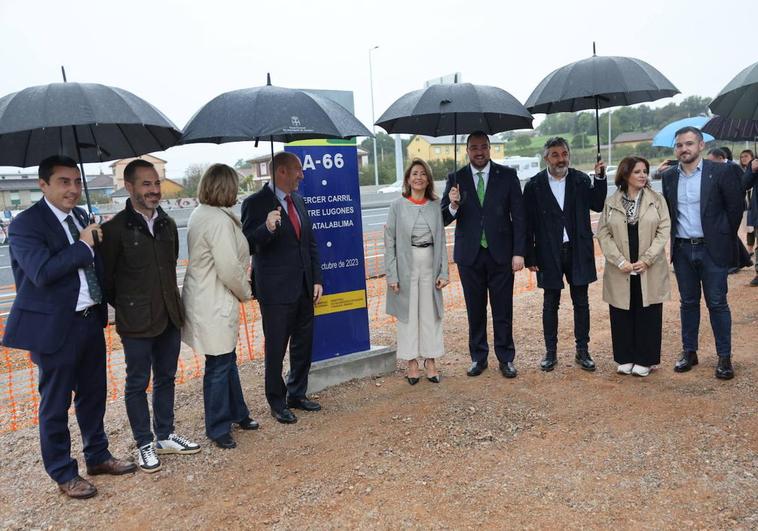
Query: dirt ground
(566,449)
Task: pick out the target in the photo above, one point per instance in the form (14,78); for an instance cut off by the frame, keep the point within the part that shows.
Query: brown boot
(78,488)
(112,466)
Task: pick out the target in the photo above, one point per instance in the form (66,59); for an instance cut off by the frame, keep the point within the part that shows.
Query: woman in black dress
(633,231)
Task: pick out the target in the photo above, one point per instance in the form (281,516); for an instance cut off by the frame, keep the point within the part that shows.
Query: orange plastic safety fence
(19,399)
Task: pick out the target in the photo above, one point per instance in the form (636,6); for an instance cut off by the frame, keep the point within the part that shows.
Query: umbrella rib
(26,148)
(126,138)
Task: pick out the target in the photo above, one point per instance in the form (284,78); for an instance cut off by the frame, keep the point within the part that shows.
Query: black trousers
(78,368)
(636,332)
(551,302)
(283,323)
(483,277)
(158,355)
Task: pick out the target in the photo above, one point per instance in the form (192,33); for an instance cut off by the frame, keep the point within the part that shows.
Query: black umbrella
(453,108)
(598,83)
(270,113)
(85,121)
(739,98)
(732,129)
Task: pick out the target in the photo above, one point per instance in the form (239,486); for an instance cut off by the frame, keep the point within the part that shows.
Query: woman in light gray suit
(416,263)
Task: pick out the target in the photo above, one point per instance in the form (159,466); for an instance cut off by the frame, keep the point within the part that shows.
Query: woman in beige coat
(633,231)
(416,266)
(217,280)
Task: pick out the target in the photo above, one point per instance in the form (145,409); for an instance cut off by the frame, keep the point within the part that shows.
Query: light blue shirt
(688,203)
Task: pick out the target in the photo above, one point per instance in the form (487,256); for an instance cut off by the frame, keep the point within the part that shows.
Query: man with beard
(559,242)
(705,204)
(484,198)
(140,249)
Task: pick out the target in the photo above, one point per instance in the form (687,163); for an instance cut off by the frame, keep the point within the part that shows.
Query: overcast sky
(178,56)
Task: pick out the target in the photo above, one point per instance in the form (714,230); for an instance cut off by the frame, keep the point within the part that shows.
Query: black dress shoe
(304,404)
(584,359)
(249,424)
(687,360)
(549,362)
(508,369)
(724,370)
(477,368)
(285,416)
(225,441)
(434,379)
(411,380)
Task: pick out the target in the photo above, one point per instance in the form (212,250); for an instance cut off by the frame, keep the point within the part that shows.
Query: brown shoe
(113,466)
(78,488)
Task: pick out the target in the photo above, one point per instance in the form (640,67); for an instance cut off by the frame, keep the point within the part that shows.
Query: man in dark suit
(287,283)
(750,184)
(559,242)
(705,204)
(58,315)
(484,198)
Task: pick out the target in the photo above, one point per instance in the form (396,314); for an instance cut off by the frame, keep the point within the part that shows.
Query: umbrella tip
(63,71)
(593,48)
(268,79)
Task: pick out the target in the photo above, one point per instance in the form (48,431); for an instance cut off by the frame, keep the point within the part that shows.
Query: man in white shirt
(58,316)
(560,243)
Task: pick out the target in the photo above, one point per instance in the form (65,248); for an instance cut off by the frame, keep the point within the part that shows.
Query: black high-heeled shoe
(433,379)
(412,381)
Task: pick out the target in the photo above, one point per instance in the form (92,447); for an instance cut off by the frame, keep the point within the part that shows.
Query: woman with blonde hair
(216,281)
(416,266)
(633,231)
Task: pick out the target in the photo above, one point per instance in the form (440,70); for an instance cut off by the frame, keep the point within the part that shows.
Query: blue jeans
(694,268)
(159,353)
(222,395)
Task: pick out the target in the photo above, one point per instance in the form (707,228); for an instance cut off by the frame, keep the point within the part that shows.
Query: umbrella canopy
(665,137)
(599,82)
(739,98)
(453,108)
(731,129)
(85,121)
(271,113)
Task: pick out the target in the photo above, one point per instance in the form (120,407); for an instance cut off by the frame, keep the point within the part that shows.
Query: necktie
(293,215)
(480,194)
(89,272)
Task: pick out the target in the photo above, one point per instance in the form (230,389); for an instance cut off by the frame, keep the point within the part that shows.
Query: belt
(89,310)
(422,245)
(692,241)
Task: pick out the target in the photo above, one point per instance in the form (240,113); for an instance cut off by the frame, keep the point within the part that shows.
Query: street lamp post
(373,118)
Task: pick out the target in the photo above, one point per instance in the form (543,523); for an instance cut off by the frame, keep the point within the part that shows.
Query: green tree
(521,141)
(192,178)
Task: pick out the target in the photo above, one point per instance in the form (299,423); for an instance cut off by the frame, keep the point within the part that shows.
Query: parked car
(391,189)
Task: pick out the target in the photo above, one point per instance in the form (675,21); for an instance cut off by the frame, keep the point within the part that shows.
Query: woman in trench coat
(217,280)
(633,231)
(417,270)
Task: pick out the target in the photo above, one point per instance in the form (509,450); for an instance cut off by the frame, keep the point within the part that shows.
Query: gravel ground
(566,449)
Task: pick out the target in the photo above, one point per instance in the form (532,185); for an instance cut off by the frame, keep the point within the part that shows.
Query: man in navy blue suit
(484,198)
(58,316)
(705,203)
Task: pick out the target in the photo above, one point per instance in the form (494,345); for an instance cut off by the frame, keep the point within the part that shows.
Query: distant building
(18,190)
(634,138)
(119,165)
(441,147)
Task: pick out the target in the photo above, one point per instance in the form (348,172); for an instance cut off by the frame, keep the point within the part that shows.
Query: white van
(526,167)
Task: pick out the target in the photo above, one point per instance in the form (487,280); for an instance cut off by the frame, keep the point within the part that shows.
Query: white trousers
(421,336)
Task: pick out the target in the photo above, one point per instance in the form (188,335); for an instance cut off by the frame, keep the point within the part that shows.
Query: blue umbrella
(665,137)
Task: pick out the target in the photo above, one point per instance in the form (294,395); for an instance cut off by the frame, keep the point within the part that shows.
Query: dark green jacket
(140,273)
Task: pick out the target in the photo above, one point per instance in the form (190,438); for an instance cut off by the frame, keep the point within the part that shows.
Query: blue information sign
(332,195)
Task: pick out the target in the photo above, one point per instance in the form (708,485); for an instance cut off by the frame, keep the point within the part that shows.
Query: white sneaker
(176,444)
(640,370)
(148,461)
(626,368)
